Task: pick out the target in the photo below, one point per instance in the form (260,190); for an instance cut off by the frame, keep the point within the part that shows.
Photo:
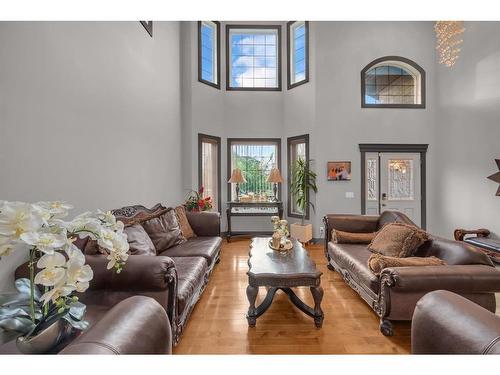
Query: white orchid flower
(55,293)
(17,218)
(50,261)
(45,242)
(50,276)
(78,272)
(74,252)
(107,238)
(56,209)
(107,217)
(8,246)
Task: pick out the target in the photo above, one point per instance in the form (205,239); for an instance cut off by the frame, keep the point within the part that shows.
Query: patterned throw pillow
(164,230)
(186,229)
(339,236)
(398,240)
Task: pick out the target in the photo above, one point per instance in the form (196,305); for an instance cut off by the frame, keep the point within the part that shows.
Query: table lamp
(237,178)
(275,178)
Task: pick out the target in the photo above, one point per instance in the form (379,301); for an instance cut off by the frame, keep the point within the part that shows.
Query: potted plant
(46,309)
(303,180)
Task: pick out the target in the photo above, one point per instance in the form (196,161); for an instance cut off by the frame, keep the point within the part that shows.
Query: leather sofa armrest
(205,223)
(141,272)
(446,323)
(473,278)
(137,325)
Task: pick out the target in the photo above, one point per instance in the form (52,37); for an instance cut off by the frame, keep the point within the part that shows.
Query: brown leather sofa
(136,325)
(175,278)
(446,323)
(394,294)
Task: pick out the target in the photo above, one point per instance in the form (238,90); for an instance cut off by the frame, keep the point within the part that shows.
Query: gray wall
(469,133)
(328,107)
(90,114)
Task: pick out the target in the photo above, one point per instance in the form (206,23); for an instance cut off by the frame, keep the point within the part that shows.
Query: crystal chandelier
(448,41)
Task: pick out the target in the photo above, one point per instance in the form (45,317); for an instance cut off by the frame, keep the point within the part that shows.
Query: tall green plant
(303,180)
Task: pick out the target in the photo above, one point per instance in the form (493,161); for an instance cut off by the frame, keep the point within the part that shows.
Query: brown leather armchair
(394,294)
(446,323)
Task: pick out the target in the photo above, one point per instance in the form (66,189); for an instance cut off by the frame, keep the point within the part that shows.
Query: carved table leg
(252,292)
(317,293)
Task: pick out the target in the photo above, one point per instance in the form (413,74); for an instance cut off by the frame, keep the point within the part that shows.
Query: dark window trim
(289,60)
(289,141)
(230,141)
(201,138)
(216,85)
(402,148)
(393,58)
(228,58)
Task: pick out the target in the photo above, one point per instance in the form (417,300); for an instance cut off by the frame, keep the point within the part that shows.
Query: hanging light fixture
(448,41)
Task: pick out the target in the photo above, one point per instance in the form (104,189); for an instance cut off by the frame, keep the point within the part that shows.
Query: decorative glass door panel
(393,183)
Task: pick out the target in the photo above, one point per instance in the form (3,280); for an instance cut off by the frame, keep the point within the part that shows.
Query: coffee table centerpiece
(278,270)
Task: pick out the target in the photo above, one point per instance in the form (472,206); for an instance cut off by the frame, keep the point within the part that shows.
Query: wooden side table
(251,209)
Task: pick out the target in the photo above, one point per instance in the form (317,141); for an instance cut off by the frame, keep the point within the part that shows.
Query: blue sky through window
(208,52)
(299,52)
(254,58)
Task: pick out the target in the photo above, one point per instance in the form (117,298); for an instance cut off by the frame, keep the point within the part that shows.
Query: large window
(209,168)
(255,158)
(393,82)
(297,148)
(209,53)
(253,57)
(297,39)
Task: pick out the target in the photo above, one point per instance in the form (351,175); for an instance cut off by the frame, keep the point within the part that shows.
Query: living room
(284,187)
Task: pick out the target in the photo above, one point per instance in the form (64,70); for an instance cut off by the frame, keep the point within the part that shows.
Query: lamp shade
(237,177)
(275,176)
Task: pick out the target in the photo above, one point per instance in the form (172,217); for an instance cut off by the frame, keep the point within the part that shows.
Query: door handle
(384,196)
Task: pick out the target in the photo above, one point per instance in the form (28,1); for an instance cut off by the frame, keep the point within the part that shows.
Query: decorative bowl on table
(287,245)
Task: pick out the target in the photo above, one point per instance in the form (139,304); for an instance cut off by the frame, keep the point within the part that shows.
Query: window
(209,53)
(297,41)
(393,82)
(297,148)
(253,57)
(209,168)
(255,158)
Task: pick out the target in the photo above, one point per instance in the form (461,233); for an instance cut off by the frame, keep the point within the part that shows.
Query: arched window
(392,82)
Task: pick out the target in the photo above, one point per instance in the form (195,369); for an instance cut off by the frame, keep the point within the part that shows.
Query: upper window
(255,158)
(297,38)
(253,57)
(209,168)
(393,82)
(209,53)
(298,148)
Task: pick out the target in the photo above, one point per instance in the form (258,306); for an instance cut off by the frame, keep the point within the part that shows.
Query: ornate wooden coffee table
(282,270)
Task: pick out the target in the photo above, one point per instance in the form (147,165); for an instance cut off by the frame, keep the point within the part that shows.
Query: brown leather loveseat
(394,294)
(446,323)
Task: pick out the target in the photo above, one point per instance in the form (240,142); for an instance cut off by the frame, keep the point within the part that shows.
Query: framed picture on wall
(339,171)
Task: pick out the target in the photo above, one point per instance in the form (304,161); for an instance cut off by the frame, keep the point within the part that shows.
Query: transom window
(209,53)
(253,57)
(298,53)
(393,82)
(255,158)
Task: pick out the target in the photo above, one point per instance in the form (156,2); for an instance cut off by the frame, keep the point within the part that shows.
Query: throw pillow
(378,262)
(186,229)
(92,248)
(339,236)
(139,241)
(164,230)
(398,240)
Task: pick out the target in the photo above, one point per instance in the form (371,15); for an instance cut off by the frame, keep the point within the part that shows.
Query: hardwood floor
(218,324)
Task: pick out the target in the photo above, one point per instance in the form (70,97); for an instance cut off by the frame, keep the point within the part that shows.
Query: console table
(251,209)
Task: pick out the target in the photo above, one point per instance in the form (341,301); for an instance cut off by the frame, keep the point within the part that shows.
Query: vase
(46,340)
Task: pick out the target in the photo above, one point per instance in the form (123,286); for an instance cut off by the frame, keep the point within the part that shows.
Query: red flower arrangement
(196,202)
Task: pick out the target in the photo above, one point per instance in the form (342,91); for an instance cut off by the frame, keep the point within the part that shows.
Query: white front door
(393,183)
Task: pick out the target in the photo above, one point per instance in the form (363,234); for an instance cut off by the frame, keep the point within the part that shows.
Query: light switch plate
(349,194)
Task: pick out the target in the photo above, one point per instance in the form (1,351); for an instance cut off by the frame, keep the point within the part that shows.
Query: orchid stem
(32,284)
